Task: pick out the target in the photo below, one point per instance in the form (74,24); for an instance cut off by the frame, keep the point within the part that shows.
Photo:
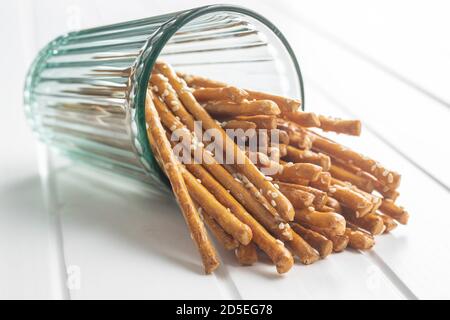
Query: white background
(385,62)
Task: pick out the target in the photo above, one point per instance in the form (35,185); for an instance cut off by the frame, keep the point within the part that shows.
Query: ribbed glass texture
(85,92)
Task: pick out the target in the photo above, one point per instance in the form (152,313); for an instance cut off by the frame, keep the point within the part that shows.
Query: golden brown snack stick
(340,242)
(285,104)
(172,169)
(227,241)
(297,155)
(300,199)
(359,240)
(350,127)
(301,248)
(239,124)
(359,181)
(323,182)
(390,178)
(239,190)
(261,121)
(320,197)
(298,136)
(224,93)
(389,222)
(388,207)
(222,215)
(247,168)
(370,222)
(351,199)
(304,119)
(319,242)
(200,82)
(333,203)
(247,255)
(324,220)
(291,172)
(326,208)
(225,108)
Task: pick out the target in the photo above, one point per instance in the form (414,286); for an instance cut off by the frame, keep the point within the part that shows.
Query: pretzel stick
(246,255)
(248,169)
(327,208)
(229,222)
(285,104)
(305,253)
(227,241)
(282,147)
(171,167)
(389,178)
(240,191)
(351,199)
(359,240)
(261,121)
(320,197)
(371,222)
(297,135)
(297,155)
(389,222)
(304,119)
(224,93)
(324,220)
(323,182)
(323,246)
(357,180)
(333,203)
(340,242)
(225,108)
(300,199)
(350,127)
(388,207)
(239,124)
(292,172)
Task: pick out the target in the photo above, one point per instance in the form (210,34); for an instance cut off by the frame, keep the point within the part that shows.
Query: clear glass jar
(85,91)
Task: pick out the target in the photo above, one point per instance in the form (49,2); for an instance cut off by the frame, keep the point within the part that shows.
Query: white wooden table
(68,233)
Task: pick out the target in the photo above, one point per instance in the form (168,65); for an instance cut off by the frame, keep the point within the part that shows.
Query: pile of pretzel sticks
(322,198)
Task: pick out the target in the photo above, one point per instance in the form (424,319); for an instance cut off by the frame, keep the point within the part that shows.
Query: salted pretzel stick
(227,241)
(224,216)
(340,242)
(247,168)
(297,155)
(319,242)
(333,203)
(246,255)
(301,248)
(270,220)
(350,127)
(224,93)
(323,182)
(326,220)
(389,178)
(171,167)
(285,104)
(359,240)
(370,222)
(357,180)
(351,199)
(283,137)
(292,172)
(282,147)
(261,121)
(388,207)
(326,208)
(239,124)
(225,108)
(300,199)
(304,119)
(389,222)
(320,197)
(200,82)
(297,135)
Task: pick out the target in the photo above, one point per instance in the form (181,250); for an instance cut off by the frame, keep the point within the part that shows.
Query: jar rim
(155,44)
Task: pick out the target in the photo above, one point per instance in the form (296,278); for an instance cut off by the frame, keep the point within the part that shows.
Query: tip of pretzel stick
(284,261)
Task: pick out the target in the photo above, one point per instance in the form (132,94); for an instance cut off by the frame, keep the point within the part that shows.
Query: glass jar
(85,91)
